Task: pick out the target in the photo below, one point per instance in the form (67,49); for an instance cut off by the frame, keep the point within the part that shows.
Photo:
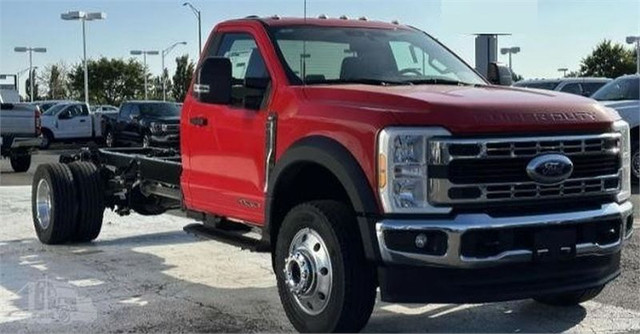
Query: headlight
(622,127)
(402,169)
(155,127)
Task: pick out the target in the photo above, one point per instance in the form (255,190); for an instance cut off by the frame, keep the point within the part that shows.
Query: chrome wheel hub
(43,204)
(308,272)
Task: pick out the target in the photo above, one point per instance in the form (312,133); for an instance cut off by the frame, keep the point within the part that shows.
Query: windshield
(619,89)
(159,109)
(334,55)
(54,109)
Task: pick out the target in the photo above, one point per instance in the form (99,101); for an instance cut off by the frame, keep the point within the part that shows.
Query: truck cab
(370,156)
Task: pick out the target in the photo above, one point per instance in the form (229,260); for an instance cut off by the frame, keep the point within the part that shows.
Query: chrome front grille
(494,169)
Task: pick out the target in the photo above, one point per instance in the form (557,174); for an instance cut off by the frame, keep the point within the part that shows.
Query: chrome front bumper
(456,227)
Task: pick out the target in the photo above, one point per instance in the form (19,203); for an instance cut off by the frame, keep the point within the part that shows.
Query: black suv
(146,123)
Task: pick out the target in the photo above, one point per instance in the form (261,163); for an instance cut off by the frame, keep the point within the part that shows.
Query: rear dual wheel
(67,202)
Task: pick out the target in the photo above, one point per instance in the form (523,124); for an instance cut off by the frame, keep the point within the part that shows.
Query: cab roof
(276,21)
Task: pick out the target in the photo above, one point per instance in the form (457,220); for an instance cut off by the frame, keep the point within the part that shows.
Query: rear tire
(54,203)
(90,199)
(346,304)
(47,139)
(570,298)
(21,162)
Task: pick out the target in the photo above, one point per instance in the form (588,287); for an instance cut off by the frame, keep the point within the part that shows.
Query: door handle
(83,120)
(199,121)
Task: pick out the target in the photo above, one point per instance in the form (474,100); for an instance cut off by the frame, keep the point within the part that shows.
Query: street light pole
(84,16)
(511,50)
(144,59)
(631,40)
(196,12)
(31,51)
(164,80)
(564,71)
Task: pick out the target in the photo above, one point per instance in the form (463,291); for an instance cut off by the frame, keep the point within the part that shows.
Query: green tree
(182,78)
(55,79)
(110,80)
(36,87)
(516,77)
(609,60)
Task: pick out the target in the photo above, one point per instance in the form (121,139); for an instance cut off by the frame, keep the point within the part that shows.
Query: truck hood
(471,110)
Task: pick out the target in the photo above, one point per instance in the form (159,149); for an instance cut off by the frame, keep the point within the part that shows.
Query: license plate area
(554,244)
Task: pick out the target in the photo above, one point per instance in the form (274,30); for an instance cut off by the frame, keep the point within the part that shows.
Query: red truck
(370,156)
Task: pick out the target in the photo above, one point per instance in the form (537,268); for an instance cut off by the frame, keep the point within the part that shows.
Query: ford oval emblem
(550,168)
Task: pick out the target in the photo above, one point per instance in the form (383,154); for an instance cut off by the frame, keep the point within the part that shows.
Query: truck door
(74,122)
(226,143)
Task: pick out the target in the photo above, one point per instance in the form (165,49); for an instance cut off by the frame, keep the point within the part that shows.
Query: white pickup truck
(19,133)
(71,121)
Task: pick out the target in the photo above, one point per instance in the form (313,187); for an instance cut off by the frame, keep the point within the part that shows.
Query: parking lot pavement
(144,274)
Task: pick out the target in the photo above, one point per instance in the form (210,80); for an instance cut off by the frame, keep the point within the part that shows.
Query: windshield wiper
(365,81)
(436,81)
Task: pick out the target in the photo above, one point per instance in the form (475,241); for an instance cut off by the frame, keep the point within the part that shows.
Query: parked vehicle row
(19,133)
(578,86)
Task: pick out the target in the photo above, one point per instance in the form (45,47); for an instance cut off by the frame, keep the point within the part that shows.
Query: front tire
(47,139)
(54,203)
(20,162)
(324,281)
(110,139)
(570,298)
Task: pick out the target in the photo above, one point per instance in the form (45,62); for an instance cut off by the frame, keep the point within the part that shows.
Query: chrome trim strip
(439,189)
(439,147)
(270,148)
(454,229)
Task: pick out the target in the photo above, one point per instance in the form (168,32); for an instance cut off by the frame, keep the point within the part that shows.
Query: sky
(551,33)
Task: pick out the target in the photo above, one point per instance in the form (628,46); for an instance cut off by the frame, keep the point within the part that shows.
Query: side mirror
(213,84)
(64,115)
(498,74)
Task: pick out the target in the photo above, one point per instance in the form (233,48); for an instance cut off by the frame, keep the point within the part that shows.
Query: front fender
(340,162)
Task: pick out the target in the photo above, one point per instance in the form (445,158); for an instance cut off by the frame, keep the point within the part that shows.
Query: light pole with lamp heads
(84,16)
(144,54)
(164,53)
(636,40)
(511,50)
(564,71)
(196,12)
(31,51)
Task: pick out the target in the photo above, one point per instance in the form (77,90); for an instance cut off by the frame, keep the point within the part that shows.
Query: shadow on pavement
(118,285)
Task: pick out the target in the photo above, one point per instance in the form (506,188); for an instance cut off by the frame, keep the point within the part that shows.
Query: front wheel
(324,281)
(20,162)
(110,139)
(570,298)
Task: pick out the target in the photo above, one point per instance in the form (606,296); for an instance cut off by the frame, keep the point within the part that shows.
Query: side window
(250,77)
(134,110)
(246,60)
(572,88)
(125,110)
(85,110)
